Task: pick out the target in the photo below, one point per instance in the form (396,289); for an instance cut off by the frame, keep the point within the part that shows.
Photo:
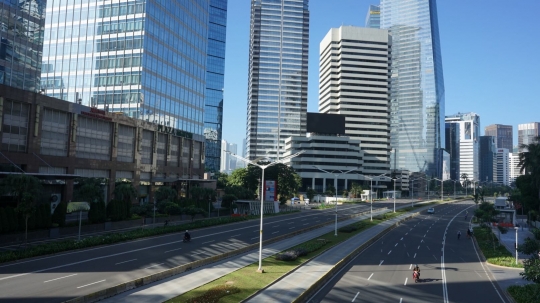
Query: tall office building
(21,43)
(513,166)
(488,151)
(502,165)
(215,79)
(278,73)
(503,135)
(469,143)
(452,136)
(146,58)
(373,18)
(527,134)
(417,85)
(228,162)
(353,81)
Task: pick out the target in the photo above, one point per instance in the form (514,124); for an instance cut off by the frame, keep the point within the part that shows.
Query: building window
(93,139)
(196,155)
(161,149)
(126,143)
(15,126)
(54,133)
(146,152)
(173,156)
(186,144)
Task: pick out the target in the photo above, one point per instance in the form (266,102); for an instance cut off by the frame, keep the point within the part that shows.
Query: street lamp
(336,182)
(371,191)
(263,167)
(442,184)
(395,179)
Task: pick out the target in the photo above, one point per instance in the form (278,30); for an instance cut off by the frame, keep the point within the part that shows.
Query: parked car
(431,210)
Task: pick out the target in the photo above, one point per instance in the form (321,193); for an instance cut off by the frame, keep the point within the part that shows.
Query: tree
(24,189)
(310,193)
(486,212)
(239,191)
(88,190)
(465,178)
(97,212)
(356,190)
(166,193)
(239,178)
(222,180)
(476,199)
(227,200)
(125,192)
(529,163)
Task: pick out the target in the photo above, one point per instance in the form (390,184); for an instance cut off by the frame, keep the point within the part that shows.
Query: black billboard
(330,124)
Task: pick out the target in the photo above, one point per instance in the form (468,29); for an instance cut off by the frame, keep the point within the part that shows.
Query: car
(431,210)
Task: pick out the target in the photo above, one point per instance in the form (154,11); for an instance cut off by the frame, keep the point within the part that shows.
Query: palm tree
(529,161)
(465,178)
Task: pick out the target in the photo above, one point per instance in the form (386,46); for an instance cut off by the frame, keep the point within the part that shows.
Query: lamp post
(263,167)
(442,188)
(395,179)
(516,244)
(336,182)
(412,193)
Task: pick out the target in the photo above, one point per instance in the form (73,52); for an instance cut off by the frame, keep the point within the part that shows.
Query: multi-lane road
(64,276)
(451,270)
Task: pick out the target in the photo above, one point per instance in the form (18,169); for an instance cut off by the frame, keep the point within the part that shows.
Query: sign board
(270,190)
(77,206)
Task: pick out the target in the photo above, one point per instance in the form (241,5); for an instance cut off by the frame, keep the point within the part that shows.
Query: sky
(490,53)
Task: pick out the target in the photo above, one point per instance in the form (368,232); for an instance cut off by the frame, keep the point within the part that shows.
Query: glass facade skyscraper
(417,85)
(21,43)
(373,18)
(278,73)
(146,58)
(215,78)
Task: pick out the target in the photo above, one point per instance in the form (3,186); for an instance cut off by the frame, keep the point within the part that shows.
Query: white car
(431,210)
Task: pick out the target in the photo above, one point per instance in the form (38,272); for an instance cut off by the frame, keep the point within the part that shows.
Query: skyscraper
(353,81)
(146,58)
(527,134)
(21,43)
(503,135)
(417,85)
(452,136)
(373,18)
(215,78)
(469,143)
(488,152)
(278,73)
(228,162)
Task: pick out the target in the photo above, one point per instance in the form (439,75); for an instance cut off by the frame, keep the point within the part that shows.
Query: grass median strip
(529,293)
(494,252)
(241,284)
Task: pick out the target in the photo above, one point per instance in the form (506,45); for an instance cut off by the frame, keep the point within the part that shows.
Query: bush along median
(493,252)
(243,283)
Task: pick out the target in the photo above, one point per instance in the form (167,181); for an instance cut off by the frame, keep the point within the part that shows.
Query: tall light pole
(263,167)
(395,179)
(442,184)
(336,182)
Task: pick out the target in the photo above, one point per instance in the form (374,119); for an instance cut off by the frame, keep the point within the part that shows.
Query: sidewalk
(509,239)
(177,285)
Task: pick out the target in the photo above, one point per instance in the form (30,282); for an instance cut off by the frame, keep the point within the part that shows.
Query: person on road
(468,233)
(416,273)
(466,214)
(187,236)
(458,234)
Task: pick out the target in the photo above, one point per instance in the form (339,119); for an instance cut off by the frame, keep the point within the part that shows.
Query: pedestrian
(458,234)
(468,233)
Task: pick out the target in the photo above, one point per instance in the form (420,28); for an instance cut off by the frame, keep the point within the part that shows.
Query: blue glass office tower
(417,85)
(21,42)
(215,71)
(278,71)
(146,58)
(373,18)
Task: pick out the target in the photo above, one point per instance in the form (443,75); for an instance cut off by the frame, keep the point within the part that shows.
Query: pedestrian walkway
(177,285)
(509,239)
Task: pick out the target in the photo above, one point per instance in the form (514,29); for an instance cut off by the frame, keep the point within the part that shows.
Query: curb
(126,286)
(343,262)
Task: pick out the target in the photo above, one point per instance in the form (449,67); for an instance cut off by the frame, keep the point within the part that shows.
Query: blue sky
(490,52)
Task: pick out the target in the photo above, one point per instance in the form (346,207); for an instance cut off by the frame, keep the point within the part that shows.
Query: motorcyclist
(187,236)
(417,270)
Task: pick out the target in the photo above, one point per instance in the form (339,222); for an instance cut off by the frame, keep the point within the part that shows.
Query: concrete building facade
(469,143)
(502,172)
(503,134)
(354,82)
(527,134)
(488,152)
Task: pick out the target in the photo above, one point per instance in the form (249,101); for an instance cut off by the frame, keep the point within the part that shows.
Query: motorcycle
(416,276)
(186,239)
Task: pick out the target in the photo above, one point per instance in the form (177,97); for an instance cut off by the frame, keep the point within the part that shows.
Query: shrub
(59,215)
(525,293)
(228,200)
(215,293)
(348,229)
(289,255)
(97,213)
(116,210)
(535,232)
(161,206)
(173,210)
(3,220)
(502,229)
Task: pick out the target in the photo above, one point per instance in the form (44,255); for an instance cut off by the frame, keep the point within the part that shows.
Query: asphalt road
(68,275)
(450,268)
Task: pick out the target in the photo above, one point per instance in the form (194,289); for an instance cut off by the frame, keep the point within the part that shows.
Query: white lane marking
(172,250)
(422,241)
(318,221)
(303,220)
(291,223)
(434,257)
(235,236)
(406,234)
(414,256)
(254,238)
(389,252)
(291,228)
(401,239)
(395,245)
(405,281)
(355,297)
(410,266)
(428,247)
(305,224)
(418,247)
(155,265)
(208,242)
(92,283)
(424,235)
(370,276)
(408,255)
(275,226)
(381,262)
(275,232)
(59,278)
(125,261)
(256,231)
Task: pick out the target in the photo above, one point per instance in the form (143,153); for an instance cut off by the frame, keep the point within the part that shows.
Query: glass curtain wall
(417,85)
(278,65)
